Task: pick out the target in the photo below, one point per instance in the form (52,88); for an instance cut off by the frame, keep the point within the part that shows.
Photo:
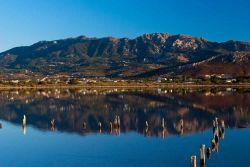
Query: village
(73,79)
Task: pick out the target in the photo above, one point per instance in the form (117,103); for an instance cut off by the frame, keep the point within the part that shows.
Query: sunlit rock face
(183,112)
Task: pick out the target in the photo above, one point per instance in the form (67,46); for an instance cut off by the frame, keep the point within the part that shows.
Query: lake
(123,127)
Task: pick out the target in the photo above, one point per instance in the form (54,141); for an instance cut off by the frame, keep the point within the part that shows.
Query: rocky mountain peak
(156,54)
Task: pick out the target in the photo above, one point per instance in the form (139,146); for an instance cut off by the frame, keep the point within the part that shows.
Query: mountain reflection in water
(184,111)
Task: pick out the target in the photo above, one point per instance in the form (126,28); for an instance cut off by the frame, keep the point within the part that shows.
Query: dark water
(76,140)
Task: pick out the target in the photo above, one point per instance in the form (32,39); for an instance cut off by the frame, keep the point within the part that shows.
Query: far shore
(132,86)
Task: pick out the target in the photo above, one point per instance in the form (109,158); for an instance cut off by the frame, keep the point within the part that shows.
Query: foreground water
(71,143)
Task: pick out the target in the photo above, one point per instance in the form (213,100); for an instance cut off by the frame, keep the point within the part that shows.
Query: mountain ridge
(157,54)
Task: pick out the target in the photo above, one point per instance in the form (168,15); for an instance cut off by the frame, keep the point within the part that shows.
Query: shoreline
(131,86)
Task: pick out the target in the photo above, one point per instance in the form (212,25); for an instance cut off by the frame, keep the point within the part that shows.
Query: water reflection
(149,112)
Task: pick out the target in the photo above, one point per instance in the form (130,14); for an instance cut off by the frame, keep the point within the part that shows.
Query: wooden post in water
(222,123)
(213,144)
(146,124)
(193,161)
(118,122)
(52,124)
(1,126)
(202,155)
(163,123)
(146,128)
(222,126)
(182,123)
(215,129)
(84,126)
(216,132)
(163,133)
(208,152)
(214,126)
(100,126)
(216,122)
(24,120)
(216,138)
(24,125)
(110,127)
(163,130)
(182,126)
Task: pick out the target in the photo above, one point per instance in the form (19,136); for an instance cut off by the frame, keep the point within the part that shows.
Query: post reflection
(24,130)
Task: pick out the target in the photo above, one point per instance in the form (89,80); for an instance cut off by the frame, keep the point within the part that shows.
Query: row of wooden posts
(52,124)
(112,125)
(115,125)
(163,127)
(214,144)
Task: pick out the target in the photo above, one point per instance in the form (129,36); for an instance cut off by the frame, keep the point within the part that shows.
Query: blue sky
(23,22)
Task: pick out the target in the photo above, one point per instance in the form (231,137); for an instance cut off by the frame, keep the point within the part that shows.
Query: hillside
(149,55)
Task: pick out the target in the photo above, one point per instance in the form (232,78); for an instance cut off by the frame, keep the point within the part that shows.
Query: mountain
(149,55)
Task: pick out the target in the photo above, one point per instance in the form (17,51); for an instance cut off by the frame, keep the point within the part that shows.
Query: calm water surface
(76,140)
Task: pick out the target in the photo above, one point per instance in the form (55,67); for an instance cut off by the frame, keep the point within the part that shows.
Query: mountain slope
(149,55)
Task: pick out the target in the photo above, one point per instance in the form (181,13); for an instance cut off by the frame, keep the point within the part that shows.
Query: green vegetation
(116,82)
